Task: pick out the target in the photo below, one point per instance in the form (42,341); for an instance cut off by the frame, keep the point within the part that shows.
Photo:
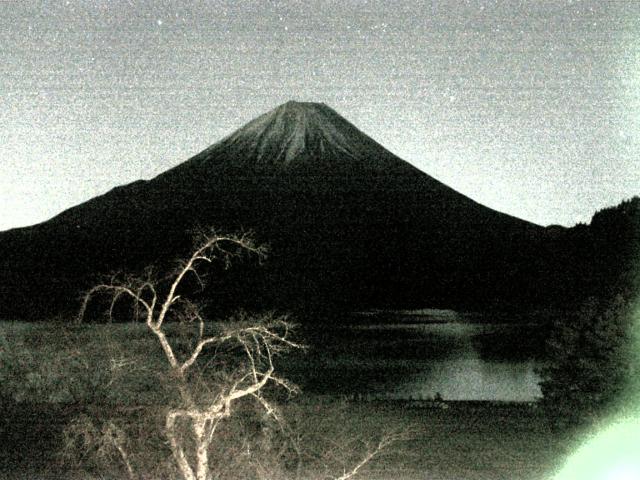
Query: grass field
(464,441)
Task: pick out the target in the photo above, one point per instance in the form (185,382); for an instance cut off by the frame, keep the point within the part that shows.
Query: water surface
(421,357)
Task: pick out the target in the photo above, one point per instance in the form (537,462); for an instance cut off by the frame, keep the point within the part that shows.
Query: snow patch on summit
(301,138)
(295,131)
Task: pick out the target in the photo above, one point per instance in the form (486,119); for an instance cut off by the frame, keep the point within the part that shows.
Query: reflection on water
(469,379)
(455,360)
(462,374)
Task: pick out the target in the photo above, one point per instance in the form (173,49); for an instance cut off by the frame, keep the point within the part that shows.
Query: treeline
(592,363)
(592,352)
(598,260)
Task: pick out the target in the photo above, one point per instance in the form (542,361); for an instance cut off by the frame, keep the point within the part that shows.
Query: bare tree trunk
(202,449)
(176,448)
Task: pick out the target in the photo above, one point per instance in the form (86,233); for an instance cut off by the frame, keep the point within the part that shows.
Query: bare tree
(211,366)
(257,339)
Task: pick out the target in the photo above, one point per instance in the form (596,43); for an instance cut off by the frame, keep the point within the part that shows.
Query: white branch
(166,346)
(199,255)
(117,291)
(253,388)
(384,442)
(198,349)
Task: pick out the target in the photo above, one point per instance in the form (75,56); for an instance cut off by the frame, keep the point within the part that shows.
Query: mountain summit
(349,224)
(302,137)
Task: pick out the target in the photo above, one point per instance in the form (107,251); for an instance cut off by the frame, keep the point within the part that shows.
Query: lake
(424,356)
(405,356)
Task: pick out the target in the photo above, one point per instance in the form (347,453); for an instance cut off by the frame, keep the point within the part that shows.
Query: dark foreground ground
(462,441)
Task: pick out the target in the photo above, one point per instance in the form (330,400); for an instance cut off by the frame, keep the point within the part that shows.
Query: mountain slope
(349,224)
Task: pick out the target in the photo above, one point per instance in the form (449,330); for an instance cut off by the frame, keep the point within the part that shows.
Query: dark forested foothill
(601,259)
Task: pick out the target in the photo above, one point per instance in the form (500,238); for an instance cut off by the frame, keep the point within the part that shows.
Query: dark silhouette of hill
(350,225)
(602,259)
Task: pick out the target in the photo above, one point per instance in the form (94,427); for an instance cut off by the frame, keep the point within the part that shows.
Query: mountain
(349,225)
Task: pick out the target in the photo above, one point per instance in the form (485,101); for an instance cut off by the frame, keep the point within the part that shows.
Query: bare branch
(116,291)
(198,349)
(166,346)
(252,361)
(116,436)
(383,444)
(254,387)
(205,252)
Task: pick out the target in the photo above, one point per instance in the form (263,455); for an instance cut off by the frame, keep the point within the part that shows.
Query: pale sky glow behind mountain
(531,108)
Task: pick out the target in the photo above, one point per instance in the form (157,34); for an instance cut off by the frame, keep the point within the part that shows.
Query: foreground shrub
(591,363)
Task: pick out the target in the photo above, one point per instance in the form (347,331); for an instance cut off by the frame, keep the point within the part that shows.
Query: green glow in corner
(613,454)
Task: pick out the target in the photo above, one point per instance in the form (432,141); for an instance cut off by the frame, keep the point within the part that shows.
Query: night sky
(531,108)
